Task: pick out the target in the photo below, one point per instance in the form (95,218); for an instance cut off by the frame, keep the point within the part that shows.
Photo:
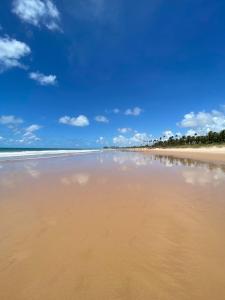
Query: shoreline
(213,154)
(37,154)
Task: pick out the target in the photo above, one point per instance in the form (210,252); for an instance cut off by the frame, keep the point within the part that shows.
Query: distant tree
(210,138)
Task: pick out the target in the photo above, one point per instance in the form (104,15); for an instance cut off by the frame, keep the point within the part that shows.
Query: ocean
(31,153)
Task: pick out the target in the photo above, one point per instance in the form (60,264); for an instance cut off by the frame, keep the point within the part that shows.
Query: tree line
(208,139)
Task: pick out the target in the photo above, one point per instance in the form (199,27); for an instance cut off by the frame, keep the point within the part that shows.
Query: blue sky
(86,73)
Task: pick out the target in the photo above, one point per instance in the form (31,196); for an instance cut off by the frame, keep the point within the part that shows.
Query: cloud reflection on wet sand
(79,178)
(112,226)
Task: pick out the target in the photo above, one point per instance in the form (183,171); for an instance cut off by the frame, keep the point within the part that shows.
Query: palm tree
(211,137)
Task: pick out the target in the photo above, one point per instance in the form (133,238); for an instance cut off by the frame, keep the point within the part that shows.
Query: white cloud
(124,130)
(191,132)
(116,111)
(29,130)
(136,111)
(29,136)
(121,140)
(22,135)
(33,128)
(140,138)
(135,140)
(178,134)
(26,135)
(38,13)
(1,138)
(10,120)
(203,122)
(29,139)
(167,134)
(79,121)
(100,140)
(101,119)
(11,52)
(43,79)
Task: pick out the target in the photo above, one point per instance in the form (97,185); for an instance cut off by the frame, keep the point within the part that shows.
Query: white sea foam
(41,154)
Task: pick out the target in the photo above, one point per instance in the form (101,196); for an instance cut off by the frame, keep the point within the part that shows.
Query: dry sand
(112,226)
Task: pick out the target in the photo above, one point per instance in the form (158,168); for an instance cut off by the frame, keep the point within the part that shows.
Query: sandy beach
(112,150)
(112,225)
(214,154)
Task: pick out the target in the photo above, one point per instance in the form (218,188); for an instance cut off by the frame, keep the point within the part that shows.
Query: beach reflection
(133,158)
(196,172)
(32,169)
(11,175)
(204,175)
(79,178)
(115,225)
(193,171)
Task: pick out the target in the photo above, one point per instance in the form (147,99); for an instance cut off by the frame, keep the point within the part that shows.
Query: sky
(93,73)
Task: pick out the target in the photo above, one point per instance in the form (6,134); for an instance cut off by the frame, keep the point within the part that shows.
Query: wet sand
(213,154)
(112,225)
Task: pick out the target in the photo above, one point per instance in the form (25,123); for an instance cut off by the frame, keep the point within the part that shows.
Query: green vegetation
(212,138)
(195,141)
